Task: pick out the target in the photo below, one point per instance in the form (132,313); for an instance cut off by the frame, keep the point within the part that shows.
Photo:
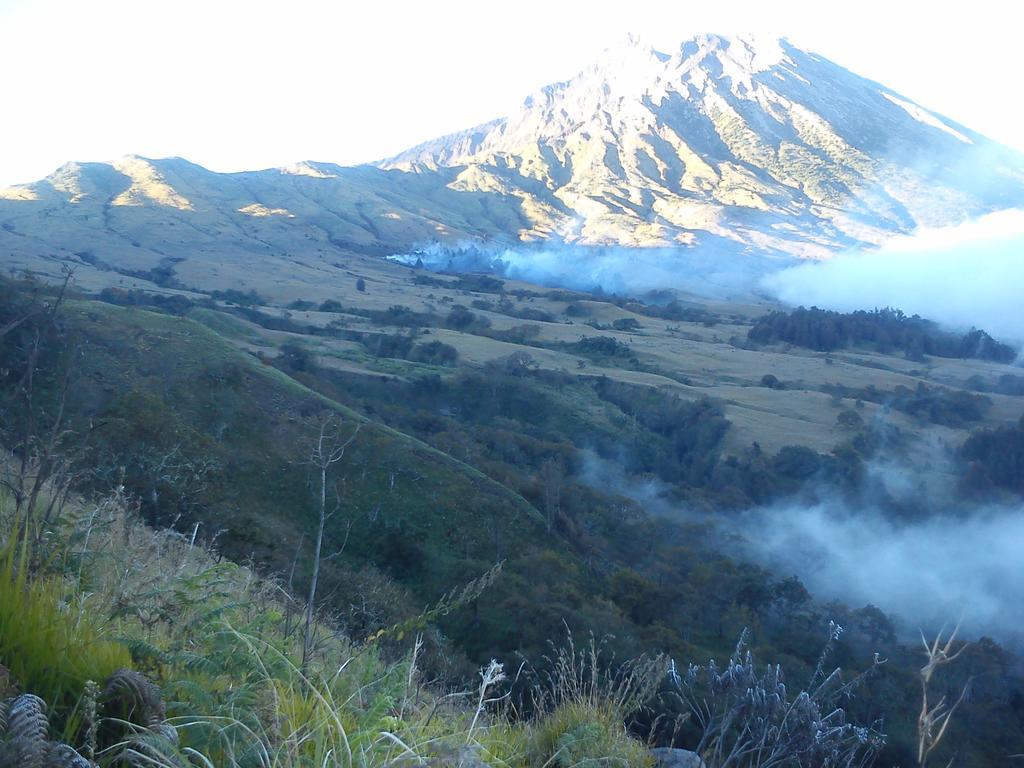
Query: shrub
(748,717)
(995,458)
(399,315)
(883,329)
(626,324)
(50,640)
(601,346)
(435,353)
(296,358)
(331,305)
(462,319)
(582,701)
(388,345)
(575,309)
(850,420)
(361,285)
(577,735)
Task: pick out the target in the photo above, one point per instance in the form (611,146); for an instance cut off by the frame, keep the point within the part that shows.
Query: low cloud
(946,564)
(967,275)
(927,572)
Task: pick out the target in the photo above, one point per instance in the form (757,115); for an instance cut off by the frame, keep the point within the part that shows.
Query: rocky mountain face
(726,143)
(756,143)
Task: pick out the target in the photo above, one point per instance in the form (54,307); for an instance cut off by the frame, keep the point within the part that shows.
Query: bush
(518,334)
(601,346)
(50,641)
(577,735)
(331,305)
(435,353)
(850,420)
(296,358)
(388,345)
(994,458)
(361,285)
(582,702)
(748,717)
(461,319)
(399,315)
(771,381)
(480,283)
(575,309)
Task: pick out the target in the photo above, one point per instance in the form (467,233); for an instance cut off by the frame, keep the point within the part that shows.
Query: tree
(328,449)
(361,285)
(33,413)
(551,481)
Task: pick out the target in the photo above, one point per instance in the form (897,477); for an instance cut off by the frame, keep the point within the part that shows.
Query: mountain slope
(760,143)
(728,144)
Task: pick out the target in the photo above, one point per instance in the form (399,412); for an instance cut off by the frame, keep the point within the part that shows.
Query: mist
(717,270)
(969,275)
(953,564)
(927,572)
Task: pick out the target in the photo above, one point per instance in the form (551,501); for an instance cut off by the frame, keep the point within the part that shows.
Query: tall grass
(52,642)
(215,638)
(582,702)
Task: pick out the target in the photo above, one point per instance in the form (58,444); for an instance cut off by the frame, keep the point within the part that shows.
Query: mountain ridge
(728,144)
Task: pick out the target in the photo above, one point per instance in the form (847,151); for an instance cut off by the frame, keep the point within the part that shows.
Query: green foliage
(581,736)
(401,316)
(450,479)
(462,319)
(239,298)
(295,357)
(435,353)
(51,640)
(881,329)
(938,405)
(994,459)
(626,324)
(331,305)
(603,348)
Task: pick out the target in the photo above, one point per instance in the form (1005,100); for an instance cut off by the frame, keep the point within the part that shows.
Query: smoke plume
(715,270)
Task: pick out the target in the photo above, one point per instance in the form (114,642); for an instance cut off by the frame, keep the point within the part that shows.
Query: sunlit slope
(730,144)
(754,142)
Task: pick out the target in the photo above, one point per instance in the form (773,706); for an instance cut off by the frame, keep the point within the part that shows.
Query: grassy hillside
(209,419)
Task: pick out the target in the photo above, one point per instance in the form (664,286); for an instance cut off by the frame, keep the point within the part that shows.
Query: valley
(573,407)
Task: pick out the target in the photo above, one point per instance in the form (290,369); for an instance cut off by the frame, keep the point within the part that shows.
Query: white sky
(235,84)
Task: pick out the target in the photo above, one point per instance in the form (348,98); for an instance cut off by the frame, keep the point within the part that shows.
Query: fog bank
(967,275)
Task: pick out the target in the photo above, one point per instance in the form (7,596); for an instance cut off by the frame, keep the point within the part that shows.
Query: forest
(885,330)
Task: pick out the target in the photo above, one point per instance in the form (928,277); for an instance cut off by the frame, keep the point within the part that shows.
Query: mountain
(727,143)
(757,142)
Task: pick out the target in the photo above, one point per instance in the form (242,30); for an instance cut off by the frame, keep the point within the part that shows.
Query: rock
(666,757)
